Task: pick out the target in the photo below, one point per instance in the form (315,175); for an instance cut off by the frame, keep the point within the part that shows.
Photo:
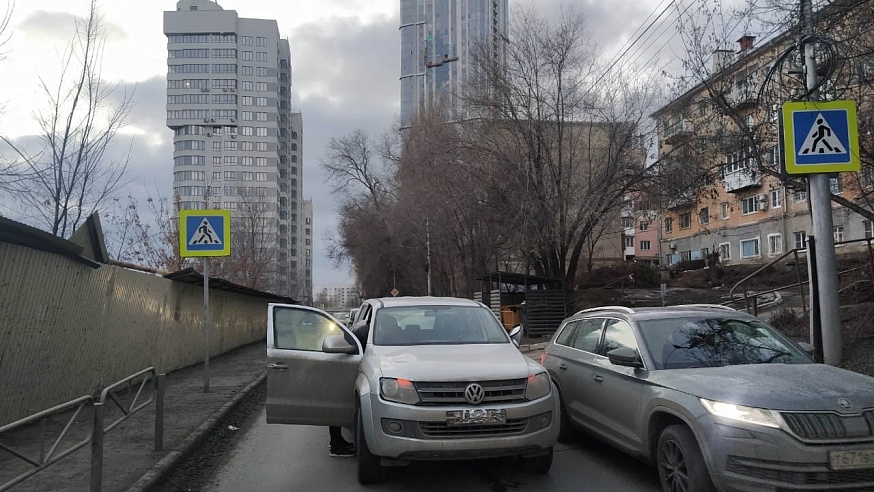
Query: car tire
(370,470)
(680,462)
(538,465)
(566,431)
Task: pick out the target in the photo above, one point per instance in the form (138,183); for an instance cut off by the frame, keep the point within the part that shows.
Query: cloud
(345,77)
(54,26)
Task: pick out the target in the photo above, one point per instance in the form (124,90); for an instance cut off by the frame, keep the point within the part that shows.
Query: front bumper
(754,458)
(407,432)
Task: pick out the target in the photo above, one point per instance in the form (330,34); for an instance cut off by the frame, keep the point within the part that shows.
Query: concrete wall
(67,329)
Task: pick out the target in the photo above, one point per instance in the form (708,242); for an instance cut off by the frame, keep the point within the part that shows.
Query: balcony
(745,93)
(742,179)
(678,131)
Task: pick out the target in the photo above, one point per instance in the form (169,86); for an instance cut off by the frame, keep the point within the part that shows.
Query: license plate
(476,416)
(848,460)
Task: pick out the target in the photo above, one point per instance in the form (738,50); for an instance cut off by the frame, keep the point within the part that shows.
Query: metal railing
(95,436)
(751,301)
(46,459)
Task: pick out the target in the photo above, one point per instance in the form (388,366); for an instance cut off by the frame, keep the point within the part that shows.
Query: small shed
(538,303)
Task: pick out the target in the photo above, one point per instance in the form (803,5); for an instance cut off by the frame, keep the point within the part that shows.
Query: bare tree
(152,240)
(565,132)
(75,171)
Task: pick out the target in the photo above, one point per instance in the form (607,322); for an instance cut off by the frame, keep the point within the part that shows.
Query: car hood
(803,387)
(452,362)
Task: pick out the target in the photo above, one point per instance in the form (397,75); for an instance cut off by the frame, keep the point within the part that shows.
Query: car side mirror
(337,344)
(516,335)
(625,356)
(807,348)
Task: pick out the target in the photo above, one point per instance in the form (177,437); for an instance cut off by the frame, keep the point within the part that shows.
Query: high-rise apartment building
(438,41)
(237,140)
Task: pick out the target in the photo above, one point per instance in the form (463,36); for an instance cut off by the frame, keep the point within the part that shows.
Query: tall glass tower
(438,39)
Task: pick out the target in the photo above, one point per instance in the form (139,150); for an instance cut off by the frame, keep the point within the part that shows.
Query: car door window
(587,335)
(298,329)
(617,334)
(566,334)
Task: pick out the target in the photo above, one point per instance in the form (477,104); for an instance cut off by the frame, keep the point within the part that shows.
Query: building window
(261,131)
(644,225)
(247,70)
(799,196)
(838,232)
(726,210)
(629,241)
(247,41)
(739,160)
(777,198)
(247,56)
(261,87)
(261,71)
(261,41)
(868,226)
(686,220)
(775,244)
(800,239)
(835,184)
(261,56)
(750,205)
(626,222)
(725,252)
(247,85)
(261,101)
(645,246)
(749,248)
(669,224)
(704,216)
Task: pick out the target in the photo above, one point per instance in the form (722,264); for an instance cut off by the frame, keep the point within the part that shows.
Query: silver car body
(824,414)
(318,388)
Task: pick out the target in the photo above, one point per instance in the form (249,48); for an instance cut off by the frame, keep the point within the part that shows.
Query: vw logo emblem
(474,394)
(845,403)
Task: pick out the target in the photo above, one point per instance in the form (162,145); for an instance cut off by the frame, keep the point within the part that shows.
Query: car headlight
(538,386)
(398,391)
(750,415)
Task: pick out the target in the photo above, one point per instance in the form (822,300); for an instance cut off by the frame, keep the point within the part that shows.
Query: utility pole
(823,225)
(428,249)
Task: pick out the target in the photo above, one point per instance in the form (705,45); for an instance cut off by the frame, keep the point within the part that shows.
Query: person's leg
(339,445)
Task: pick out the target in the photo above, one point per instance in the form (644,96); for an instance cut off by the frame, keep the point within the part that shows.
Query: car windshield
(437,325)
(678,343)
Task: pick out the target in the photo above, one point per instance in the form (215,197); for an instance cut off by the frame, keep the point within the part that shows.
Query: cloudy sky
(346,62)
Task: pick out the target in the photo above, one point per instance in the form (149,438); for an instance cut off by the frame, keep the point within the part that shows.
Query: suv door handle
(598,378)
(279,366)
(562,366)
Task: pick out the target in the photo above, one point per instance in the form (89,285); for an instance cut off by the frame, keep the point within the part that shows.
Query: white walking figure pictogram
(821,139)
(205,234)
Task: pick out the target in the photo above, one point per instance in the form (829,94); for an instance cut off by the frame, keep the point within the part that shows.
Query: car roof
(682,310)
(424,301)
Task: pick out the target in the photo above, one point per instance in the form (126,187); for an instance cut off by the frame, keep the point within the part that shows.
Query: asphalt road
(285,458)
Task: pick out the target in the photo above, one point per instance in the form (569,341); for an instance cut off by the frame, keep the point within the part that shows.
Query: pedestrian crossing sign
(820,137)
(204,233)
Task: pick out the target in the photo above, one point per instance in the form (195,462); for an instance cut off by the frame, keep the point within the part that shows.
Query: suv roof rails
(711,306)
(606,308)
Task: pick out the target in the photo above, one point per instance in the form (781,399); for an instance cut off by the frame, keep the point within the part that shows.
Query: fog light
(395,427)
(544,420)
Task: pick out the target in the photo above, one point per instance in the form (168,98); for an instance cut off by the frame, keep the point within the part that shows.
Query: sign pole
(823,227)
(206,324)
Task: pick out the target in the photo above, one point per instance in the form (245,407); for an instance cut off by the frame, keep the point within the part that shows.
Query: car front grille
(830,426)
(800,474)
(441,430)
(452,392)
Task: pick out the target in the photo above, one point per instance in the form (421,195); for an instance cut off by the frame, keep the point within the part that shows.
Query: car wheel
(566,431)
(538,465)
(370,470)
(680,462)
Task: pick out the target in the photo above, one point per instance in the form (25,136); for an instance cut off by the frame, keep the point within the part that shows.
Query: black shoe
(343,450)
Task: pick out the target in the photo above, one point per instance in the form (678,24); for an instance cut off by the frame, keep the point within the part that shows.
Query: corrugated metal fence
(67,329)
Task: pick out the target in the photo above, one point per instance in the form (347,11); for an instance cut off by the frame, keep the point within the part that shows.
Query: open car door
(305,383)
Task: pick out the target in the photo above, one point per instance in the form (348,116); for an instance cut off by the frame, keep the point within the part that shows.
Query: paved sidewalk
(129,459)
(130,462)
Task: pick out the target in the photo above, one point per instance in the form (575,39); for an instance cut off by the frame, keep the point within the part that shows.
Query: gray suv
(417,378)
(715,398)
